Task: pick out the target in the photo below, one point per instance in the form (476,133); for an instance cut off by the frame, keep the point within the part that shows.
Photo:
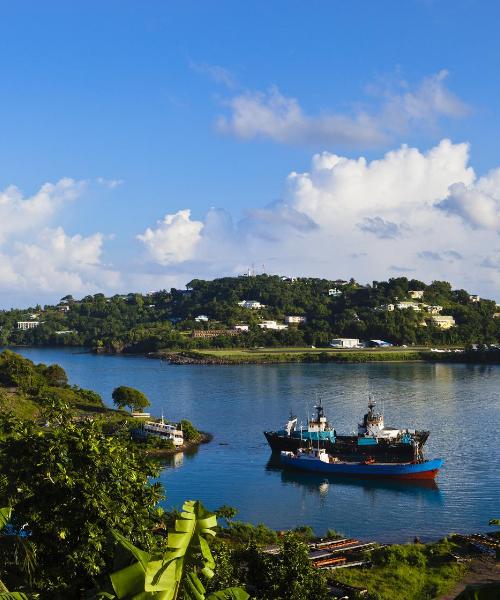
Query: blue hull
(424,470)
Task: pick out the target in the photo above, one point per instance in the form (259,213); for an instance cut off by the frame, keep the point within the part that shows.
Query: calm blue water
(460,404)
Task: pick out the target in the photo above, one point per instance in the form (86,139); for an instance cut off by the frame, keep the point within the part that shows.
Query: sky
(144,143)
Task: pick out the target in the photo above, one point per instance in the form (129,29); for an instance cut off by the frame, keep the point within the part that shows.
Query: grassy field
(278,355)
(409,571)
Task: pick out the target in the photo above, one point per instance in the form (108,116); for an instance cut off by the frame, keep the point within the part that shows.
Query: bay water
(459,404)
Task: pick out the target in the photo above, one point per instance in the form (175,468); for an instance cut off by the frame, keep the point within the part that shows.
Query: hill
(213,314)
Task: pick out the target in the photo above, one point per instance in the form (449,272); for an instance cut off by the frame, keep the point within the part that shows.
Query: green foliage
(191,434)
(166,575)
(124,396)
(71,484)
(423,571)
(287,575)
(164,319)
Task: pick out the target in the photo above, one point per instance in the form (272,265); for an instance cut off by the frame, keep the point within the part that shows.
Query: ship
(319,461)
(373,438)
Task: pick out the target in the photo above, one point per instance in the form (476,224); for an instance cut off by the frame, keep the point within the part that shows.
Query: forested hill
(331,309)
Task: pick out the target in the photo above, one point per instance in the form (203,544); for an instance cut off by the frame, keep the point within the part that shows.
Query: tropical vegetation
(166,319)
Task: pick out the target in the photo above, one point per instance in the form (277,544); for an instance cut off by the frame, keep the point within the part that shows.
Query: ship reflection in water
(323,485)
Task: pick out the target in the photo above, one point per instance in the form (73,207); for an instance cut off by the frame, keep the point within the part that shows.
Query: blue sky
(151,108)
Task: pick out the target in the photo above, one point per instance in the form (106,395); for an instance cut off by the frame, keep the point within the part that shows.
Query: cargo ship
(319,461)
(373,438)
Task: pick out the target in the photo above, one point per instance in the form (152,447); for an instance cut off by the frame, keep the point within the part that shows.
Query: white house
(334,292)
(295,319)
(345,343)
(253,304)
(27,324)
(385,307)
(405,305)
(201,319)
(434,310)
(443,321)
(416,294)
(241,327)
(272,325)
(474,298)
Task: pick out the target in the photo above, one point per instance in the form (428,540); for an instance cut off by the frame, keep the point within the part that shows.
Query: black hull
(346,447)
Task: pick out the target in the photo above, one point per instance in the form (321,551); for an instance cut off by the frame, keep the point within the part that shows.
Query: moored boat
(373,438)
(319,461)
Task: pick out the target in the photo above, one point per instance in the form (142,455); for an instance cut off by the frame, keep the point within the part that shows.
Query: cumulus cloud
(383,229)
(40,260)
(272,115)
(175,238)
(19,214)
(478,203)
(352,217)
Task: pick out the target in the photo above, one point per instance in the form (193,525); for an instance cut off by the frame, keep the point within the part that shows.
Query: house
(201,319)
(27,325)
(294,319)
(385,308)
(63,308)
(345,343)
(474,298)
(434,310)
(289,279)
(405,305)
(334,292)
(272,325)
(416,294)
(65,332)
(252,304)
(241,327)
(443,321)
(211,333)
(340,282)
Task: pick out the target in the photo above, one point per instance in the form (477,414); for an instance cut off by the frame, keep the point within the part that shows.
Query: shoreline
(163,452)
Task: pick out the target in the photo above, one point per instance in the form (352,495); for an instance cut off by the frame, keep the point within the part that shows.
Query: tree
(124,396)
(71,485)
(167,575)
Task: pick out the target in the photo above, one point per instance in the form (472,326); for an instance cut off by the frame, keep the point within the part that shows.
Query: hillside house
(24,325)
(334,292)
(201,319)
(474,298)
(252,304)
(272,325)
(416,294)
(295,320)
(405,305)
(443,321)
(243,327)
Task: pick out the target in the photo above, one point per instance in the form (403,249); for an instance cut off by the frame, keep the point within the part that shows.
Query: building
(416,294)
(241,327)
(211,333)
(295,320)
(334,292)
(385,307)
(272,325)
(443,321)
(252,304)
(345,343)
(474,298)
(378,344)
(434,310)
(27,325)
(63,308)
(405,305)
(201,319)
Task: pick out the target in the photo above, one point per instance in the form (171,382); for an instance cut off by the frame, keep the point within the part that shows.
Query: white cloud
(478,204)
(353,217)
(109,183)
(272,115)
(174,240)
(38,260)
(214,72)
(19,214)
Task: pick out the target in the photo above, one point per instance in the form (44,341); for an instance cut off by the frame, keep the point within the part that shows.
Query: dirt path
(481,570)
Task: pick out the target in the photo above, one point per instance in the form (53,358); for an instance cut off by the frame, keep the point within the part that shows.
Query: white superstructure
(165,431)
